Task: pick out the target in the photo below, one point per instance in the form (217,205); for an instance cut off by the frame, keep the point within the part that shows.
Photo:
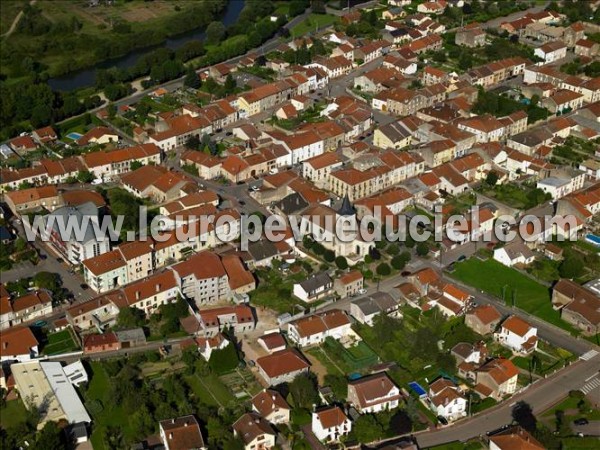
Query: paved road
(541,395)
(495,23)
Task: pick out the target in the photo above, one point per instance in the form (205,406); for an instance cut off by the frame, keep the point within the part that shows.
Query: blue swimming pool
(73,135)
(417,388)
(593,239)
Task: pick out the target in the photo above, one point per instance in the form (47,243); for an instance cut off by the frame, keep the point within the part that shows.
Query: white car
(362,291)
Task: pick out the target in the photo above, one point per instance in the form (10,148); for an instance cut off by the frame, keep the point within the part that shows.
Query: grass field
(60,342)
(492,277)
(10,9)
(210,390)
(13,414)
(313,22)
(111,414)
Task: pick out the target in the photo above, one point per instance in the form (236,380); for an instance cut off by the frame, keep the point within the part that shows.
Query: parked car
(442,420)
(581,421)
(84,286)
(362,291)
(461,258)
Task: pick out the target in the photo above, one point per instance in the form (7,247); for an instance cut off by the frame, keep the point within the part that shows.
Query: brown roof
(105,262)
(81,196)
(515,438)
(282,362)
(486,313)
(236,272)
(32,194)
(584,302)
(268,401)
(250,426)
(273,340)
(182,433)
(332,416)
(31,300)
(203,265)
(94,340)
(95,133)
(501,370)
(319,323)
(516,325)
(371,389)
(16,341)
(351,277)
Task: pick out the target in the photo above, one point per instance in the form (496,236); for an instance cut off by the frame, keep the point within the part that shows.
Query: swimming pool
(73,135)
(418,389)
(593,239)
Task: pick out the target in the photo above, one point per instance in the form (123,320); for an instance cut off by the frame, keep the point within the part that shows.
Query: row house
(220,113)
(551,52)
(496,72)
(584,204)
(208,166)
(589,88)
(150,293)
(157,183)
(239,318)
(432,42)
(396,135)
(378,79)
(334,67)
(578,305)
(313,330)
(301,146)
(61,170)
(270,95)
(205,278)
(174,132)
(318,168)
(96,313)
(487,128)
(563,101)
(402,65)
(25,200)
(562,182)
(28,307)
(372,51)
(106,165)
(11,179)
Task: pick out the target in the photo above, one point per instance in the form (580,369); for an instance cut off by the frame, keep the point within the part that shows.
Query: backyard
(511,286)
(210,390)
(60,342)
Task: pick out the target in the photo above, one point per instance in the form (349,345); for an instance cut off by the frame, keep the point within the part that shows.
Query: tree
(224,360)
(422,249)
(85,176)
(135,165)
(338,384)
(492,178)
(192,80)
(304,391)
(193,142)
(329,256)
(130,318)
(47,280)
(230,84)
(572,266)
(366,428)
(215,32)
(51,437)
(523,415)
(399,262)
(341,263)
(400,423)
(383,269)
(141,421)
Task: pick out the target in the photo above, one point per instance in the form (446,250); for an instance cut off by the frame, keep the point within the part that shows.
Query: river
(87,77)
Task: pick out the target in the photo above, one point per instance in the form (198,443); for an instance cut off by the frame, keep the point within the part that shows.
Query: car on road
(242,202)
(362,291)
(254,188)
(40,323)
(581,421)
(84,286)
(229,133)
(442,420)
(60,260)
(461,258)
(406,273)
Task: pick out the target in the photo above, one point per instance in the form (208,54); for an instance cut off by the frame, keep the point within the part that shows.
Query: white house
(315,329)
(517,335)
(255,432)
(551,51)
(446,400)
(515,252)
(330,423)
(313,288)
(272,406)
(365,309)
(374,393)
(281,367)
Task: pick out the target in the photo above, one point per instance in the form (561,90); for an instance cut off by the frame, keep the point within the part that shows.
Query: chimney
(170,435)
(5,345)
(185,424)
(137,295)
(158,287)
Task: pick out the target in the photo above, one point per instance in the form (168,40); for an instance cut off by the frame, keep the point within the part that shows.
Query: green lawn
(60,342)
(492,277)
(312,22)
(210,390)
(13,414)
(110,414)
(472,445)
